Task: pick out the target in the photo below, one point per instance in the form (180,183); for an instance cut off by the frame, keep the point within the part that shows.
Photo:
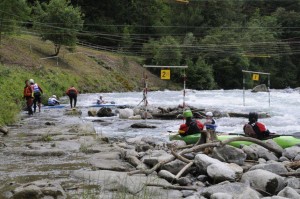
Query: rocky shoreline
(57,154)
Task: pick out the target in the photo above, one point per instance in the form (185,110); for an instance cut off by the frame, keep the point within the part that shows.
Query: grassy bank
(24,57)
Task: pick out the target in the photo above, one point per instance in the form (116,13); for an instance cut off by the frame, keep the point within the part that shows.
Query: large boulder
(220,172)
(105,112)
(264,180)
(260,88)
(255,151)
(229,154)
(125,113)
(39,189)
(202,161)
(235,189)
(274,167)
(291,152)
(288,192)
(174,166)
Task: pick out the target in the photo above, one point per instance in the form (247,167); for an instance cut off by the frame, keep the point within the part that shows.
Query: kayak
(107,105)
(56,106)
(284,141)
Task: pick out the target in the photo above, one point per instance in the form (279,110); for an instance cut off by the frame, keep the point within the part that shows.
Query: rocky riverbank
(57,154)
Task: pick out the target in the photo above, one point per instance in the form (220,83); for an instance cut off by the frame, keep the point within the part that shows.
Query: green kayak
(283,141)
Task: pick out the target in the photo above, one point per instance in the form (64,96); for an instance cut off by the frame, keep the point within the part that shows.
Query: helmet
(253,117)
(54,96)
(210,114)
(31,81)
(187,113)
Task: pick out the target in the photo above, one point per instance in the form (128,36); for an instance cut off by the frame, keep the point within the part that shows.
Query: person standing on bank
(72,92)
(37,94)
(28,95)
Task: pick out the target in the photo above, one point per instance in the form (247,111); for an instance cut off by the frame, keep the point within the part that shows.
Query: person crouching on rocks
(28,95)
(254,128)
(52,101)
(72,92)
(191,126)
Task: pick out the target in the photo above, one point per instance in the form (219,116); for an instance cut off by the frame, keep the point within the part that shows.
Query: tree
(58,22)
(13,14)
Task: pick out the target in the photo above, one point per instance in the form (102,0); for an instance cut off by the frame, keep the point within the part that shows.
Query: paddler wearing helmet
(52,101)
(254,128)
(191,126)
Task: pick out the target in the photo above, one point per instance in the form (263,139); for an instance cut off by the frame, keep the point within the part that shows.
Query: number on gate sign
(255,77)
(165,74)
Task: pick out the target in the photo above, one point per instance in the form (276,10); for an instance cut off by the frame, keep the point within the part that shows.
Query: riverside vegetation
(87,69)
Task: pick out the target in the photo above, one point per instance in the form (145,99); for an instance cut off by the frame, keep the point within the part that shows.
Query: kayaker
(72,92)
(254,128)
(52,101)
(37,94)
(210,123)
(191,126)
(28,95)
(100,100)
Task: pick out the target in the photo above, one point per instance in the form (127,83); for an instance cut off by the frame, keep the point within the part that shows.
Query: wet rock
(4,130)
(142,125)
(50,123)
(288,192)
(73,112)
(220,172)
(282,159)
(235,189)
(221,196)
(146,115)
(255,151)
(167,176)
(135,117)
(274,144)
(276,168)
(92,112)
(174,166)
(293,182)
(105,112)
(202,178)
(260,88)
(270,182)
(202,161)
(125,113)
(229,154)
(291,152)
(184,181)
(39,189)
(155,157)
(43,152)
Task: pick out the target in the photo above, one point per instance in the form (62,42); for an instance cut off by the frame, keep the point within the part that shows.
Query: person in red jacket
(191,126)
(72,92)
(28,95)
(254,128)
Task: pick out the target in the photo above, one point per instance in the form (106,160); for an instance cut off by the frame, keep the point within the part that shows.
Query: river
(284,110)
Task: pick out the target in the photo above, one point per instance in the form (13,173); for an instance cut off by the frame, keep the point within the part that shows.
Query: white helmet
(210,114)
(54,96)
(31,81)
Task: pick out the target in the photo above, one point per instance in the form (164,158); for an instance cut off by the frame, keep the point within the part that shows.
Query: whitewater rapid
(284,109)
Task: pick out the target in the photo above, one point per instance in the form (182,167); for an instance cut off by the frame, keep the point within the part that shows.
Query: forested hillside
(217,39)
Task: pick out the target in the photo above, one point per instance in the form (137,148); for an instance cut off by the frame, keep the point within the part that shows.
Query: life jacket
(260,130)
(194,126)
(36,88)
(72,92)
(27,91)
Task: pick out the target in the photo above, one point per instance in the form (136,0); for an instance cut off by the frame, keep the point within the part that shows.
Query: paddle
(295,135)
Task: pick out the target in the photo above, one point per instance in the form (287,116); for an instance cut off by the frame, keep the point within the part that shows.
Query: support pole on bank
(165,75)
(255,76)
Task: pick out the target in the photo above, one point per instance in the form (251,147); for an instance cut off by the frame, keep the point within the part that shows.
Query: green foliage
(58,22)
(12,15)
